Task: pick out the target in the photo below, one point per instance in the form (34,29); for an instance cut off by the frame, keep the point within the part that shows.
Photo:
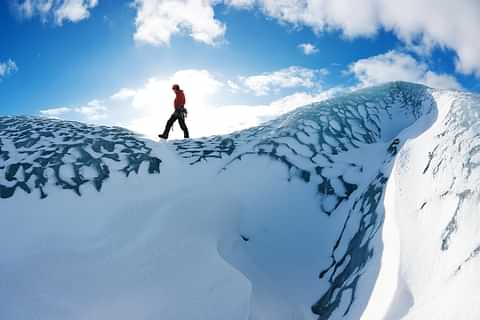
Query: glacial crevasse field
(364,206)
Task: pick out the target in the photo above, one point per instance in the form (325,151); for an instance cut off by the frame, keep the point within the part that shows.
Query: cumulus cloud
(233,86)
(295,100)
(74,10)
(146,109)
(59,10)
(158,20)
(419,24)
(244,4)
(7,67)
(237,117)
(292,77)
(93,111)
(308,48)
(393,66)
(123,94)
(55,112)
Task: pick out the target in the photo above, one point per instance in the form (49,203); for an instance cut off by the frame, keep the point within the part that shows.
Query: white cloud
(419,24)
(29,8)
(233,86)
(7,67)
(237,117)
(323,15)
(123,94)
(60,10)
(308,48)
(158,20)
(55,112)
(393,66)
(240,3)
(74,10)
(292,77)
(93,111)
(147,109)
(298,99)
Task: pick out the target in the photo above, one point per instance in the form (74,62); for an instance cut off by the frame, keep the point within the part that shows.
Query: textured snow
(280,221)
(436,215)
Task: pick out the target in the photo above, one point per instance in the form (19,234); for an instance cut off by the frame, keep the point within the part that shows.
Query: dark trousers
(179,115)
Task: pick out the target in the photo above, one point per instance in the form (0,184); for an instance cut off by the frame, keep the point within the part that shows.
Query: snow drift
(280,221)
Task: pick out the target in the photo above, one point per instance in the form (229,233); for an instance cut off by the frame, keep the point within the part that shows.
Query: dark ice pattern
(36,151)
(345,271)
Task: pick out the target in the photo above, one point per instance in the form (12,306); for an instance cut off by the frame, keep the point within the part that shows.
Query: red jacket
(179,101)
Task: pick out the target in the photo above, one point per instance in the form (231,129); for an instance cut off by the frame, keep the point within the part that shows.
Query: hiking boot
(163,136)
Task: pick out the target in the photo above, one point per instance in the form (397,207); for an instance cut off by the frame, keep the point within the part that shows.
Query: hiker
(179,114)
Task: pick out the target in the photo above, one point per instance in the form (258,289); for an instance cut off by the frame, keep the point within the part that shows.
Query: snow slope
(280,221)
(437,215)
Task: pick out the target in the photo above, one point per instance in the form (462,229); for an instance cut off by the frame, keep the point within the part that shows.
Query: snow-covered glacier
(359,207)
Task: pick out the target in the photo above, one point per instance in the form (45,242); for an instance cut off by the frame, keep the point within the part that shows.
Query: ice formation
(280,221)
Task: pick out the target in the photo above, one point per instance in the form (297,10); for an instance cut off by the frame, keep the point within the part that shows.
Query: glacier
(359,207)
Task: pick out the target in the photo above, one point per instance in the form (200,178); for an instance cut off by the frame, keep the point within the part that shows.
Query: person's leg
(169,125)
(183,125)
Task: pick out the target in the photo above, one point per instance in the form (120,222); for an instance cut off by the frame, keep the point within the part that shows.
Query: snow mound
(280,221)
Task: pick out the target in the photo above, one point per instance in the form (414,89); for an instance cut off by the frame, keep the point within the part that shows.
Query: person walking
(179,114)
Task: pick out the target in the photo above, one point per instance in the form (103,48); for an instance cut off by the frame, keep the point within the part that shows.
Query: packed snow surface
(362,206)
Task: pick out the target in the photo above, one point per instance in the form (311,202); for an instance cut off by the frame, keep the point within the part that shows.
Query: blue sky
(73,56)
